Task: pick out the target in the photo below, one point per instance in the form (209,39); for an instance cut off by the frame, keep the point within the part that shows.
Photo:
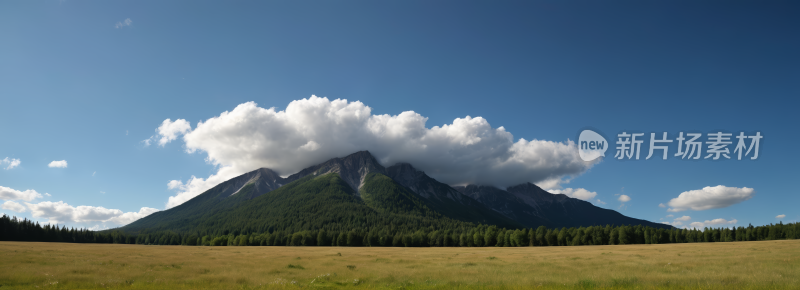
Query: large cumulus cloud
(313,130)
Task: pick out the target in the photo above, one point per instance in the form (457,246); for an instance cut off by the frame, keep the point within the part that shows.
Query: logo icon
(591,145)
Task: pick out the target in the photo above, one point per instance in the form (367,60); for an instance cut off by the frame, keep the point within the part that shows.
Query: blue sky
(79,83)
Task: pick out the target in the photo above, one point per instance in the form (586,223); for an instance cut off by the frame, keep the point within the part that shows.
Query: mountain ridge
(400,189)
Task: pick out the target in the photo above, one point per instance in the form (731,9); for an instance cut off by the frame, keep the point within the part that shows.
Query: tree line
(14,229)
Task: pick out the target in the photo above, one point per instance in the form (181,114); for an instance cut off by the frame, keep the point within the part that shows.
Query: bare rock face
(263,180)
(408,176)
(353,169)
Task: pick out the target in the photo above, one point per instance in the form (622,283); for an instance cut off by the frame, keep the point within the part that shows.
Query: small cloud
(669,215)
(780,216)
(600,201)
(169,131)
(98,227)
(173,184)
(553,183)
(58,164)
(714,222)
(624,198)
(709,198)
(662,205)
(130,217)
(684,218)
(103,192)
(47,194)
(11,162)
(578,193)
(126,132)
(310,146)
(121,24)
(93,173)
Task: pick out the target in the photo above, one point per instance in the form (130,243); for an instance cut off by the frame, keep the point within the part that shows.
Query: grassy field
(738,265)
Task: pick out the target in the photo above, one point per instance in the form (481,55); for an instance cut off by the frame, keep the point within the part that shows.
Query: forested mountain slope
(356,192)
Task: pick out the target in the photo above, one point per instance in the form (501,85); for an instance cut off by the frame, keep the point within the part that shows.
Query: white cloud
(780,216)
(10,205)
(721,222)
(553,183)
(578,193)
(130,217)
(61,212)
(11,162)
(13,194)
(58,164)
(600,201)
(126,22)
(169,131)
(98,227)
(684,218)
(173,184)
(709,198)
(624,198)
(311,131)
(93,173)
(669,215)
(714,222)
(661,205)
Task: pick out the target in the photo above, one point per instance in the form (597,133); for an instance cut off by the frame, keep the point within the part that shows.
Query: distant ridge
(356,191)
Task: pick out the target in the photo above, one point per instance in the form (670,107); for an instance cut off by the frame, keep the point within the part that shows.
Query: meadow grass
(736,265)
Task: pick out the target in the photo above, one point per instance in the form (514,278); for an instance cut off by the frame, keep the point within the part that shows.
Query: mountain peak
(352,168)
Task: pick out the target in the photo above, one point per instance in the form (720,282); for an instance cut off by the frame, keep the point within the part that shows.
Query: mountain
(534,206)
(445,199)
(339,194)
(356,192)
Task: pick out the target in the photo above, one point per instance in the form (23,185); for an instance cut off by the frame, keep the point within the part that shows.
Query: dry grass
(739,265)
